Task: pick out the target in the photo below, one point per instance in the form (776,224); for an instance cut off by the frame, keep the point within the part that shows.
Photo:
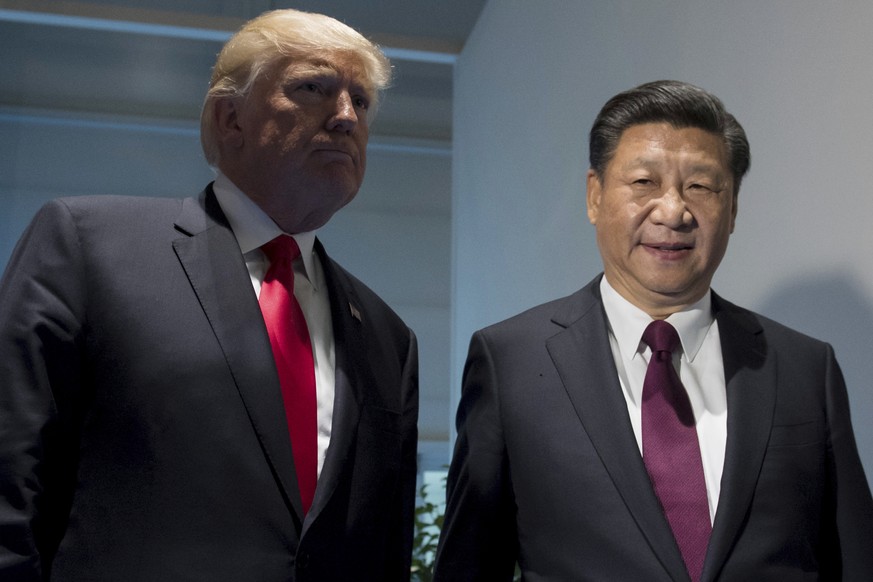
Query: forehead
(344,65)
(651,143)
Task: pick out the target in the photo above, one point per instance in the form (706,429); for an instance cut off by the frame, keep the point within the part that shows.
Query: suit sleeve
(41,299)
(849,511)
(478,540)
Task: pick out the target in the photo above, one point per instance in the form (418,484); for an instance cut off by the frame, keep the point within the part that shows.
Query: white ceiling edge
(170,25)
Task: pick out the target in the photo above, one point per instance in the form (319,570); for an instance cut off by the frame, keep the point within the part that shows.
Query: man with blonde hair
(191,389)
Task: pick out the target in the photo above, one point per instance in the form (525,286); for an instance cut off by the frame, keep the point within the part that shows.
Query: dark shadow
(833,307)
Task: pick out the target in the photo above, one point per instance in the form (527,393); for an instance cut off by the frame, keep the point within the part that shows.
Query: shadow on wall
(833,307)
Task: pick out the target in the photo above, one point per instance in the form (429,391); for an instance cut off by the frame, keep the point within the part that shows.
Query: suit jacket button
(302,560)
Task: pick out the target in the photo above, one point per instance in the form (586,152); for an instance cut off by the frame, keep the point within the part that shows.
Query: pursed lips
(339,152)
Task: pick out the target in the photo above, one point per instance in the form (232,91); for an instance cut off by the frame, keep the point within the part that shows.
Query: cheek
(619,219)
(268,134)
(613,239)
(721,220)
(628,219)
(361,142)
(718,234)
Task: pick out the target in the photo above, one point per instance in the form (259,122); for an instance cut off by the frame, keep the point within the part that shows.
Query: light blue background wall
(796,74)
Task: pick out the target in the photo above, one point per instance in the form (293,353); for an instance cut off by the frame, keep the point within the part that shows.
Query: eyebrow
(646,163)
(324,68)
(311,68)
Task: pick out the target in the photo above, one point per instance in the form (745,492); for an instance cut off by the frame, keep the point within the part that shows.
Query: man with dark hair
(191,389)
(644,428)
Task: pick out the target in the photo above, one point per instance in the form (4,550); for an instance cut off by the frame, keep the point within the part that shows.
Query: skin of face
(663,211)
(296,145)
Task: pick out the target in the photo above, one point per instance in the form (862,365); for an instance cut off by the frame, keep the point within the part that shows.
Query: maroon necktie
(671,451)
(292,350)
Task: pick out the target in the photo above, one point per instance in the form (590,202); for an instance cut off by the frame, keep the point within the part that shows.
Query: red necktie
(671,451)
(292,350)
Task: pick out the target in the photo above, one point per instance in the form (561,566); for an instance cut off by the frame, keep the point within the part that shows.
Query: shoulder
(134,207)
(119,216)
(524,322)
(103,227)
(772,334)
(546,319)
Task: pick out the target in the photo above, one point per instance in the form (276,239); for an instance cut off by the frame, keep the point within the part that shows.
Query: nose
(345,117)
(671,210)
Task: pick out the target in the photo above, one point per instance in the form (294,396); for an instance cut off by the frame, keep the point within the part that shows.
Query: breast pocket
(797,434)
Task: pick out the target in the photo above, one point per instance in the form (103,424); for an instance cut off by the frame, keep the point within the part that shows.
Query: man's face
(663,213)
(298,146)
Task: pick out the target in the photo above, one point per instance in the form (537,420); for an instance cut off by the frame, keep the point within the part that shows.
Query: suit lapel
(212,261)
(750,378)
(584,360)
(349,329)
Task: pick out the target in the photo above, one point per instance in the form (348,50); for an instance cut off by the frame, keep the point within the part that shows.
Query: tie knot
(283,249)
(661,336)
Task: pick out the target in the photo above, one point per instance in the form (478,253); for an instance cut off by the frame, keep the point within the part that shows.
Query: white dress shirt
(253,228)
(700,366)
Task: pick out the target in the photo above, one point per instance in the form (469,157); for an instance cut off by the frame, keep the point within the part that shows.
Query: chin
(323,214)
(683,296)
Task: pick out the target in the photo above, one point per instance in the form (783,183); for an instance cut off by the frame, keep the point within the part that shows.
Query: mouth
(668,246)
(337,150)
(668,249)
(338,155)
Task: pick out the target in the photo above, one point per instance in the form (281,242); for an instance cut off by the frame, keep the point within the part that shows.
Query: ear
(227,122)
(593,196)
(734,211)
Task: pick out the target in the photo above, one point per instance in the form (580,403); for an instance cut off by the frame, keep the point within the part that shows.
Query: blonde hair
(278,35)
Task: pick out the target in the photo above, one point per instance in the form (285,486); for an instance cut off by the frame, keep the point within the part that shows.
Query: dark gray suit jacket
(547,470)
(143,435)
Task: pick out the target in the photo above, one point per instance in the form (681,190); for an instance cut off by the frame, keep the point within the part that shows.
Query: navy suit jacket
(547,469)
(143,432)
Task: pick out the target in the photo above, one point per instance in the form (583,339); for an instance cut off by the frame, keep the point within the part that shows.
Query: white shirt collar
(251,225)
(628,322)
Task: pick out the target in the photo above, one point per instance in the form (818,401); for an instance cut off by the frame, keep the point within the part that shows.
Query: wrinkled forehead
(345,65)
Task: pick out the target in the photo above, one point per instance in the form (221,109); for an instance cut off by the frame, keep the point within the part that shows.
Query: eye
(701,189)
(310,87)
(643,183)
(702,192)
(361,102)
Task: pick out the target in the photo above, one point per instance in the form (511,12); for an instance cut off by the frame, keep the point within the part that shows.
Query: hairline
(678,104)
